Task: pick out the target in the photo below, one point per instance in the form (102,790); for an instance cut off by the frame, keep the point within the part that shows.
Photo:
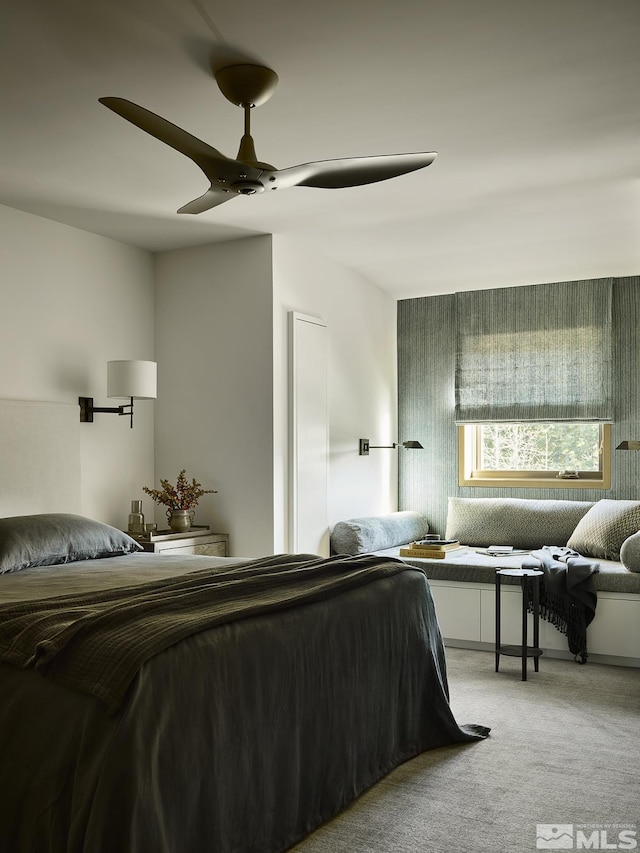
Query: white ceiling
(532,105)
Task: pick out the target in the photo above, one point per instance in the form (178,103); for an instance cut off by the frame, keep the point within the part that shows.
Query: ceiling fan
(248,86)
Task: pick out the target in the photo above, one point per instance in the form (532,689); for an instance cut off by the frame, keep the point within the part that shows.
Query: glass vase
(135,525)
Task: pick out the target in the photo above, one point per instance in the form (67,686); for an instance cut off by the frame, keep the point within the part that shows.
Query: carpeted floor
(564,749)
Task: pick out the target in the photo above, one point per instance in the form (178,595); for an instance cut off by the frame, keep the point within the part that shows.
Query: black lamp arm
(87,410)
(364,447)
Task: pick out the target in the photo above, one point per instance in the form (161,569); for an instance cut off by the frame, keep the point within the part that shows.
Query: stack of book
(432,549)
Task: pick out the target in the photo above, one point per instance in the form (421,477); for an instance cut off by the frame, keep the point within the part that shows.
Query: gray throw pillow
(605,527)
(522,522)
(54,538)
(630,553)
(377,532)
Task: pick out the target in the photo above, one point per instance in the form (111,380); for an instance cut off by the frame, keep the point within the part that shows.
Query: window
(537,455)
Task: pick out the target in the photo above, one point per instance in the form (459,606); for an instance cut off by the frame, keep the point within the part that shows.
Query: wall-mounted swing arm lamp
(365,447)
(132,380)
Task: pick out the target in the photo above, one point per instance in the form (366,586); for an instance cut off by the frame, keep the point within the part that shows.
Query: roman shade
(535,353)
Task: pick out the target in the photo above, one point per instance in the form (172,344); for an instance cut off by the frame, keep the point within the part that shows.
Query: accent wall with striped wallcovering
(426,401)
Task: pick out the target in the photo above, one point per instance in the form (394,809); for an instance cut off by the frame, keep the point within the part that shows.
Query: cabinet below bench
(466,614)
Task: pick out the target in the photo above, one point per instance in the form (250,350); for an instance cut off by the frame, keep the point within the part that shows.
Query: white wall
(221,347)
(215,408)
(70,302)
(361,335)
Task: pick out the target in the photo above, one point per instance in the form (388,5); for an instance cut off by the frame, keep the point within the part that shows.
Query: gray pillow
(521,522)
(630,553)
(54,538)
(605,527)
(377,532)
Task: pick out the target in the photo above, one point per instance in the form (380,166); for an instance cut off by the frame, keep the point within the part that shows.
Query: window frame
(469,475)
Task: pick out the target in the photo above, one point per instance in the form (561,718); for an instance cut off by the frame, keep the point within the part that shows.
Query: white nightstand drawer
(209,544)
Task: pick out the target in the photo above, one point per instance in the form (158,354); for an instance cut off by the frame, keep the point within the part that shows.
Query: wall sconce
(628,445)
(365,447)
(133,380)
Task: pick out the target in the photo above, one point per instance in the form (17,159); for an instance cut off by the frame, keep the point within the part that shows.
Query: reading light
(628,445)
(364,446)
(132,380)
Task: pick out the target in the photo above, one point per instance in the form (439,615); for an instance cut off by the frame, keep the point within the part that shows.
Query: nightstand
(195,541)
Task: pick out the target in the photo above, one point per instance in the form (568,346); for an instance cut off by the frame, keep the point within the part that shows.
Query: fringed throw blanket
(567,599)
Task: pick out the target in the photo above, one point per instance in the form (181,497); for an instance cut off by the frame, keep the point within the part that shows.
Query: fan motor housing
(246,84)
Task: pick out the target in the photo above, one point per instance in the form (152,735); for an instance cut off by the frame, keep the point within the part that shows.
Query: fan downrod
(246,85)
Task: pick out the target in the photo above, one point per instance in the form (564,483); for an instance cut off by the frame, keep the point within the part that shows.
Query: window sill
(534,483)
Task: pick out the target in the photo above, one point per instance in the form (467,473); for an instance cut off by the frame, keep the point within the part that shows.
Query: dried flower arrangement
(184,495)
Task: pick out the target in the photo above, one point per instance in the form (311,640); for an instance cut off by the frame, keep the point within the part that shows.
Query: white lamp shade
(138,379)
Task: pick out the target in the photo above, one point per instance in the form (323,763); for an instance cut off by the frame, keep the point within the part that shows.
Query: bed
(303,681)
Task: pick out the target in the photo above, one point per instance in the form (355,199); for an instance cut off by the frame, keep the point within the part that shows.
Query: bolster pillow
(375,533)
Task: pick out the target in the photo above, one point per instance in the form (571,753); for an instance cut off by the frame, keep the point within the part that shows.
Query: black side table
(526,576)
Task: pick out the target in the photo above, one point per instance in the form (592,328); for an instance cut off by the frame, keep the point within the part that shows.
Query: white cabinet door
(615,629)
(458,611)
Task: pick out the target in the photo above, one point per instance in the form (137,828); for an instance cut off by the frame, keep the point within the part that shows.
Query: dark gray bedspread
(242,737)
(96,642)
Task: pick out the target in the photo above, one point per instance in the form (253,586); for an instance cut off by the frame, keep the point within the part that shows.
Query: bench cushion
(469,566)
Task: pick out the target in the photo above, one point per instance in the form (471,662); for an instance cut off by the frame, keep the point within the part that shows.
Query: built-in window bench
(463,582)
(466,607)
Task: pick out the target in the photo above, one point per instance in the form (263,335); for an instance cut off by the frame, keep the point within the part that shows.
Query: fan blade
(213,163)
(353,171)
(212,198)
